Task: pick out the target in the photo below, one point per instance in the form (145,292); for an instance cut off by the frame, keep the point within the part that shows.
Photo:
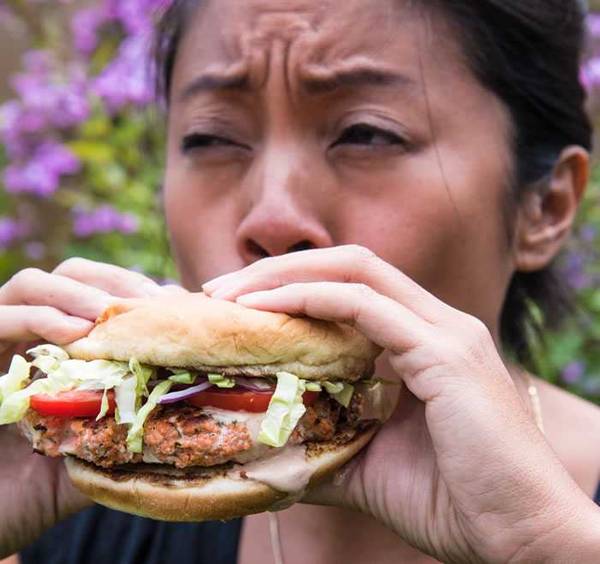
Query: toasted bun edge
(219,497)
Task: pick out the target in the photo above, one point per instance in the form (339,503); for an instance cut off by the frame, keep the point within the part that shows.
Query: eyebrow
(209,82)
(314,81)
(329,81)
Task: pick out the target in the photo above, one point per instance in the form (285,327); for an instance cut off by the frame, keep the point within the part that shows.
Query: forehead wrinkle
(353,72)
(312,63)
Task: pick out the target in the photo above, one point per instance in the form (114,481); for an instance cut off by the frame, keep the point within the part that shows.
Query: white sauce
(287,470)
(251,420)
(380,399)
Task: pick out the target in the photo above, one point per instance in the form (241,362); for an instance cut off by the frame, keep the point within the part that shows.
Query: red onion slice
(254,384)
(172,397)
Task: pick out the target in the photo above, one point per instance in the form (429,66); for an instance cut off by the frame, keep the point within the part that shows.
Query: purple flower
(58,158)
(11,230)
(128,79)
(42,173)
(35,250)
(83,225)
(30,178)
(128,224)
(593,25)
(574,269)
(573,372)
(44,104)
(588,233)
(590,73)
(104,219)
(85,25)
(136,16)
(38,62)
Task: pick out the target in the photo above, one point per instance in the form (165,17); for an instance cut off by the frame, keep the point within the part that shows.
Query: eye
(206,141)
(365,134)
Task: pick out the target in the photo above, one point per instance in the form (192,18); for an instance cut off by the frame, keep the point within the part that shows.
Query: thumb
(338,489)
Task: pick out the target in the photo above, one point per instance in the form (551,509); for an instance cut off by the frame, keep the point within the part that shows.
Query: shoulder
(572,427)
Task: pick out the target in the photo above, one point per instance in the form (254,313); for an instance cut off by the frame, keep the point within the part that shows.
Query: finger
(26,323)
(349,263)
(110,278)
(333,491)
(384,321)
(36,287)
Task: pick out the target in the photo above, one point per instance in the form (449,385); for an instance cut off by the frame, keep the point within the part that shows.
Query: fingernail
(225,293)
(251,299)
(79,324)
(211,286)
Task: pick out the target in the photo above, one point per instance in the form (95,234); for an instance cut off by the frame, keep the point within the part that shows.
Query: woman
(426,159)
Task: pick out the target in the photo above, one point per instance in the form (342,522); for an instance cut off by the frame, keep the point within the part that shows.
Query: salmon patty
(178,435)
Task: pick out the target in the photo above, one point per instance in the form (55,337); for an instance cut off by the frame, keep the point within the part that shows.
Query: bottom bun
(204,494)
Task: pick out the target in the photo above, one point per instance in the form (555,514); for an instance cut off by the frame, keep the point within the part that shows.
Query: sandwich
(187,408)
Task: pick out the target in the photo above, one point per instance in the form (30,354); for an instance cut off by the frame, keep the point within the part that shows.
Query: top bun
(197,332)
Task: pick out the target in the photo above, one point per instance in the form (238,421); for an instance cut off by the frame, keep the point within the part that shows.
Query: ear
(546,214)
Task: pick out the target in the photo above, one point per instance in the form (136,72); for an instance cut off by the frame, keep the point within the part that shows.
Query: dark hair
(527,52)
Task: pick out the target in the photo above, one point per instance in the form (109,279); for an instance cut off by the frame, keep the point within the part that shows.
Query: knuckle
(363,291)
(360,253)
(73,264)
(361,261)
(25,277)
(22,285)
(476,327)
(476,336)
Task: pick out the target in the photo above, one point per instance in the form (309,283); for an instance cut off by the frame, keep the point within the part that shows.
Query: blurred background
(81,158)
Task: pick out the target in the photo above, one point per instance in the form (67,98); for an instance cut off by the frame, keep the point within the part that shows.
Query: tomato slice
(76,403)
(240,399)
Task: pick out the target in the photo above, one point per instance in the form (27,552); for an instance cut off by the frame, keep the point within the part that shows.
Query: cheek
(445,231)
(201,228)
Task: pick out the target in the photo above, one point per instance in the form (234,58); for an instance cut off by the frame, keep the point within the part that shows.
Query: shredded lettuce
(47,350)
(47,358)
(15,406)
(126,400)
(285,410)
(136,431)
(15,378)
(93,374)
(182,377)
(221,381)
(340,391)
(142,375)
(103,405)
(312,386)
(64,374)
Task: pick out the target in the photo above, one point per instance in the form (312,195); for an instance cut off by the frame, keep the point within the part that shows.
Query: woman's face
(312,123)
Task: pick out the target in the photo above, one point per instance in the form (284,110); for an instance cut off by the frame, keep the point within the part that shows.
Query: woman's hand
(460,471)
(59,307)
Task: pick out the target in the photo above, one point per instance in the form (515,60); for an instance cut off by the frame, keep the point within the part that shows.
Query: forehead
(238,37)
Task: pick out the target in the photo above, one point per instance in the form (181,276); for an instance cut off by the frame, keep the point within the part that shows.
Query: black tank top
(102,536)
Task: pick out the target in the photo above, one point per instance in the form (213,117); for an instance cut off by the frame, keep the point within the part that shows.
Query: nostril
(255,250)
(301,246)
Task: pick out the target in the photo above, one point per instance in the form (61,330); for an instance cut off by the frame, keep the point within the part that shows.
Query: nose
(284,213)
